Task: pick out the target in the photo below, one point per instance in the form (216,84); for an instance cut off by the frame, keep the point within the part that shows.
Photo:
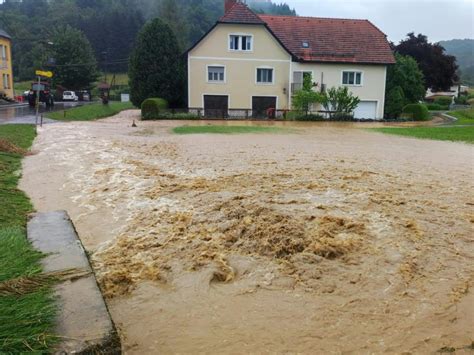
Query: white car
(70,96)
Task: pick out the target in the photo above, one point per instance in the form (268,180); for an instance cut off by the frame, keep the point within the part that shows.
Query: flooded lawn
(321,238)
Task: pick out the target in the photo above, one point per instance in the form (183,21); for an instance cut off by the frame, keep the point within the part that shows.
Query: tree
(304,98)
(75,66)
(172,16)
(405,85)
(438,68)
(395,101)
(156,66)
(340,100)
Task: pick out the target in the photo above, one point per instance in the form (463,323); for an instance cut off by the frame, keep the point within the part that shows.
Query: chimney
(228,5)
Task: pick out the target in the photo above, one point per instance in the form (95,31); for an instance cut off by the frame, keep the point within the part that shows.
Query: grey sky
(438,19)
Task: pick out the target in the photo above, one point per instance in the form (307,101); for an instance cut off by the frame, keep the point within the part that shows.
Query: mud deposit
(326,240)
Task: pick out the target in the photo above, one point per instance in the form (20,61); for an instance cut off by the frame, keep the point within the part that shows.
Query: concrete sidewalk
(83,321)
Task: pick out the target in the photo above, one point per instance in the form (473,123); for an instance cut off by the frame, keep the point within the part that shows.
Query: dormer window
(240,42)
(305,44)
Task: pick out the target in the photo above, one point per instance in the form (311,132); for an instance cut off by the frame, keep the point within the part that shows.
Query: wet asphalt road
(27,115)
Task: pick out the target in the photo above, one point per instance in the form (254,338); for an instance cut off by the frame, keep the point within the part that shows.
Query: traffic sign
(46,74)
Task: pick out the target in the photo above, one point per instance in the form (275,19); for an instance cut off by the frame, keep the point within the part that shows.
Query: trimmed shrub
(302,116)
(177,116)
(151,108)
(443,101)
(309,117)
(437,107)
(419,112)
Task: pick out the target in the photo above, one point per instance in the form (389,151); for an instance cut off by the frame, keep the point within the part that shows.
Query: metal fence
(249,114)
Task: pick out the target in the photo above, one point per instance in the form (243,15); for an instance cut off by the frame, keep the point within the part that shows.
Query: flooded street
(323,239)
(25,114)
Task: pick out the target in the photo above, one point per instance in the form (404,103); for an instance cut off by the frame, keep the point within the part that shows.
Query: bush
(177,116)
(151,108)
(437,107)
(443,101)
(418,111)
(302,116)
(461,100)
(309,117)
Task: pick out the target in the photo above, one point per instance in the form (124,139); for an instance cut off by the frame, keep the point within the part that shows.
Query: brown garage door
(260,106)
(216,106)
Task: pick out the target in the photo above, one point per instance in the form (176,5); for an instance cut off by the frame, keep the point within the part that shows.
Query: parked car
(70,96)
(84,95)
(45,94)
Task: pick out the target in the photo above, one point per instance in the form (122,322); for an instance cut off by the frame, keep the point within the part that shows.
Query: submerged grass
(25,321)
(216,129)
(90,112)
(455,134)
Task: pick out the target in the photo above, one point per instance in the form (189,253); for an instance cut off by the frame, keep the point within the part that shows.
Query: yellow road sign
(46,74)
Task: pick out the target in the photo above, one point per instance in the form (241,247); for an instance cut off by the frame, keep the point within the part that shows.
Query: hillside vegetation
(463,50)
(111,26)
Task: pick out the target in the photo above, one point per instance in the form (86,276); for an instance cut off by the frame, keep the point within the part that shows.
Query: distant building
(6,73)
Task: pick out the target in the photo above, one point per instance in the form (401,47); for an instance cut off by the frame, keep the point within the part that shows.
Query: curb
(83,319)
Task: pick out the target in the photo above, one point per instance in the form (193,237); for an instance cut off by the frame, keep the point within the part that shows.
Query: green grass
(227,129)
(465,117)
(461,134)
(15,205)
(21,86)
(90,112)
(26,321)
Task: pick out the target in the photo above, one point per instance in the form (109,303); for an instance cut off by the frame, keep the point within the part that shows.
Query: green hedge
(443,101)
(302,116)
(177,116)
(151,108)
(419,112)
(437,107)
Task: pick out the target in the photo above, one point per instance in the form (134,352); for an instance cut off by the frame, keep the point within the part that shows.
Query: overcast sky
(438,19)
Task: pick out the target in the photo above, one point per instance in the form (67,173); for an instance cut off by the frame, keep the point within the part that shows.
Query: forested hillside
(463,50)
(110,25)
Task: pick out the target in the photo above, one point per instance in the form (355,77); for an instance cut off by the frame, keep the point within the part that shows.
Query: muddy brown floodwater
(322,239)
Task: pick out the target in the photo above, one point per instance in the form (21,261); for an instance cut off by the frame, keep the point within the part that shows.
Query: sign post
(40,73)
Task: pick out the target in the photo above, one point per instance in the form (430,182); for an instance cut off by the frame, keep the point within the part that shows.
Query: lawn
(465,117)
(21,86)
(227,129)
(90,112)
(462,134)
(26,322)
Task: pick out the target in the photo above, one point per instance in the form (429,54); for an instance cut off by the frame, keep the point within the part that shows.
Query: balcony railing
(3,63)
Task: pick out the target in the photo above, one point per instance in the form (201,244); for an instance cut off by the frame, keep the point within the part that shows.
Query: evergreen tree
(156,66)
(75,65)
(405,85)
(406,74)
(394,102)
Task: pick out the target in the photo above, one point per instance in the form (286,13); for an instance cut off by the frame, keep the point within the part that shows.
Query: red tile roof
(240,13)
(331,40)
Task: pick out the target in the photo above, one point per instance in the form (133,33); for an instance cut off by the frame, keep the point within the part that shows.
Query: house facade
(252,62)
(6,72)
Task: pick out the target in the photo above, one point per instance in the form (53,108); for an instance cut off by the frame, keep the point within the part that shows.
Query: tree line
(111,26)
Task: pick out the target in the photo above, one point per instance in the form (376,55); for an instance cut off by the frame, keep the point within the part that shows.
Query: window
(3,52)
(6,81)
(215,74)
(351,78)
(264,76)
(305,44)
(240,43)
